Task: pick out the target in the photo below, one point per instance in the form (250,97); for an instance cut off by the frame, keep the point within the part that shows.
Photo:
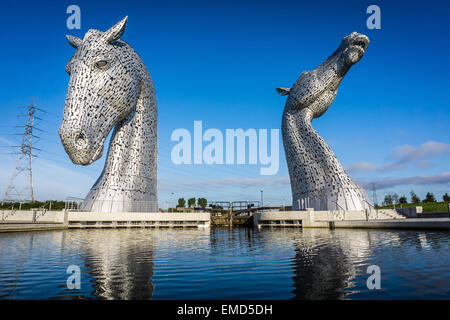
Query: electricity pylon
(374,194)
(23,167)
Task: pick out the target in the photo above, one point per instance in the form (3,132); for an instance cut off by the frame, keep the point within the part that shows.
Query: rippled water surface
(225,264)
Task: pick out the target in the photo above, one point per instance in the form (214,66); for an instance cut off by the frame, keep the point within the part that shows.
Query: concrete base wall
(27,216)
(421,224)
(138,219)
(76,219)
(340,215)
(14,221)
(283,218)
(310,216)
(25,226)
(444,214)
(317,219)
(410,212)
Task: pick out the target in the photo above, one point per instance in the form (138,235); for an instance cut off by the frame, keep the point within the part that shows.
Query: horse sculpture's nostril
(81,140)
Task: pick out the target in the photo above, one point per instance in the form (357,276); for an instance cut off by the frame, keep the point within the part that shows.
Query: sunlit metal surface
(318,180)
(110,88)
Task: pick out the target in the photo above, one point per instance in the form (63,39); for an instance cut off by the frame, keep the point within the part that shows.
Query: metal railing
(119,206)
(9,212)
(73,203)
(337,204)
(38,213)
(370,205)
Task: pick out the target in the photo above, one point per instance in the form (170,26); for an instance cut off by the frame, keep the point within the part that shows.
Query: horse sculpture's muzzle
(80,145)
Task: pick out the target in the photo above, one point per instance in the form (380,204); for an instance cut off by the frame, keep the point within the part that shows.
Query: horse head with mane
(111,89)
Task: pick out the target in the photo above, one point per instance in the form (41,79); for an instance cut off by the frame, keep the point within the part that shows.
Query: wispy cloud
(384,183)
(404,155)
(409,153)
(237,182)
(367,166)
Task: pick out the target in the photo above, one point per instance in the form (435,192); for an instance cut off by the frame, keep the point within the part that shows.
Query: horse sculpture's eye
(102,64)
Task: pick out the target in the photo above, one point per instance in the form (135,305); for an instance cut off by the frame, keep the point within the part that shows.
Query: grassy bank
(427,206)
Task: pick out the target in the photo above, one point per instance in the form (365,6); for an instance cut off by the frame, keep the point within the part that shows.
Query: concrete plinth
(138,219)
(347,219)
(47,220)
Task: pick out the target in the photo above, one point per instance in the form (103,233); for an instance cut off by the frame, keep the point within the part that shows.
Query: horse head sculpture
(110,87)
(318,180)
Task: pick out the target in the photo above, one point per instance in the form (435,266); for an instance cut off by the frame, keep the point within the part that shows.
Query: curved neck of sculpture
(316,174)
(128,181)
(304,140)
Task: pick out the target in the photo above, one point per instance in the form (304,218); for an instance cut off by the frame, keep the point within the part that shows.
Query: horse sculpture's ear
(115,32)
(283,91)
(74,41)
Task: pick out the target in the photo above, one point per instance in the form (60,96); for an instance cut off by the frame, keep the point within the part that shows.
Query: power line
(168,168)
(23,167)
(374,194)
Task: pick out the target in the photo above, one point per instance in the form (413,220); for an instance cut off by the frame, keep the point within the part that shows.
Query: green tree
(403,200)
(446,197)
(181,203)
(388,200)
(414,197)
(429,197)
(395,198)
(202,202)
(191,202)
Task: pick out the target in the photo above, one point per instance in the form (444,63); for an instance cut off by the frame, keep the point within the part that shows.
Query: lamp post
(261,198)
(168,205)
(448,207)
(173,194)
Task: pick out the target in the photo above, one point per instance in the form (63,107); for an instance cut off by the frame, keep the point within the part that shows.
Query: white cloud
(409,153)
(367,166)
(384,183)
(276,182)
(404,155)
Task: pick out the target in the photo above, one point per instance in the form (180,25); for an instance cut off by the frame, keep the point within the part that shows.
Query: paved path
(16,226)
(413,223)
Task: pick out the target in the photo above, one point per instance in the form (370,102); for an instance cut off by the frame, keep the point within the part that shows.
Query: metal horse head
(105,77)
(110,87)
(317,89)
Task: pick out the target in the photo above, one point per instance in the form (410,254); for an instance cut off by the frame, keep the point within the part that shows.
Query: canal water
(225,264)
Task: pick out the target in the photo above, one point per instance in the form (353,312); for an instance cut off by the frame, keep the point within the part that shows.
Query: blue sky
(220,62)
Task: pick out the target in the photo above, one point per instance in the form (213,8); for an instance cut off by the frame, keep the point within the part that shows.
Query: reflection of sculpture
(120,264)
(318,180)
(324,262)
(111,87)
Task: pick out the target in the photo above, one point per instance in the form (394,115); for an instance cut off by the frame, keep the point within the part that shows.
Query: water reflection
(120,263)
(332,264)
(224,264)
(323,271)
